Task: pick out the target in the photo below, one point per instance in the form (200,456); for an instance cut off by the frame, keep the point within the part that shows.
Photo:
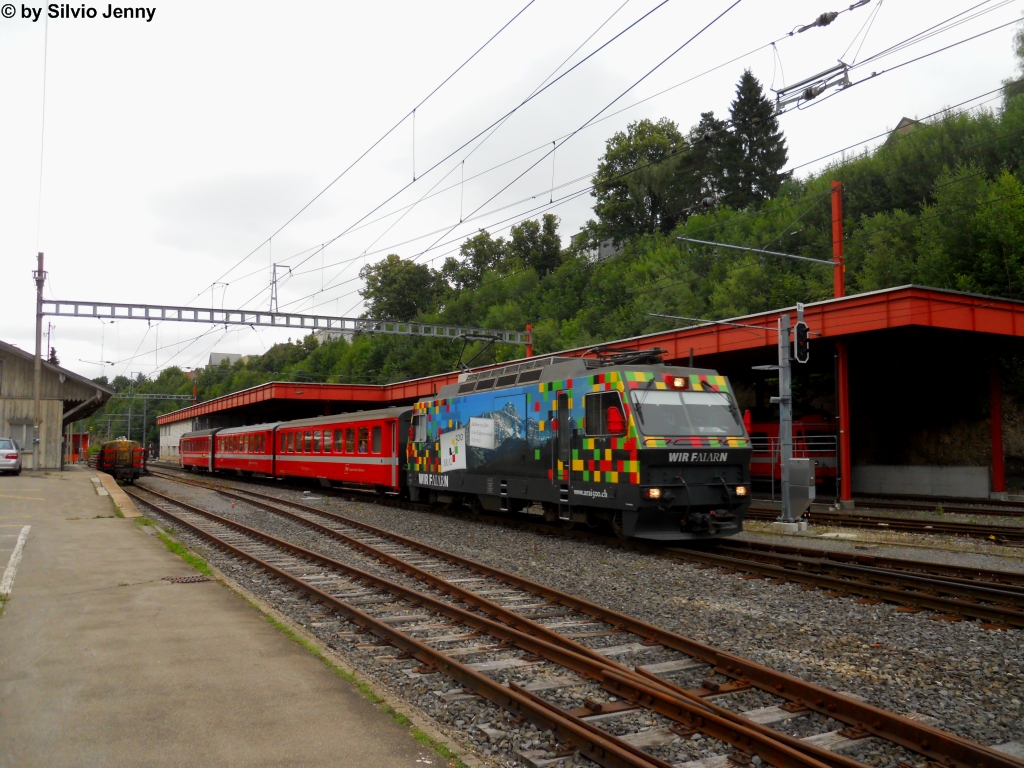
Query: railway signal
(802,352)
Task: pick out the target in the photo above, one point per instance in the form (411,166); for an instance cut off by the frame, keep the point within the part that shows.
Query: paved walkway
(104,663)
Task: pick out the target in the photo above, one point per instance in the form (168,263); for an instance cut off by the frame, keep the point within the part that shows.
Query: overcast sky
(173,148)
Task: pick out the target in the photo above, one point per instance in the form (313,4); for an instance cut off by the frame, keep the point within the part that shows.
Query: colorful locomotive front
(653,451)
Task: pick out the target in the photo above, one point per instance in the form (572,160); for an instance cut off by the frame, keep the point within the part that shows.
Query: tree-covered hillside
(940,203)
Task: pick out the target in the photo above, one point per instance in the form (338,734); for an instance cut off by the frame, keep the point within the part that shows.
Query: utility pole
(40,277)
(785,401)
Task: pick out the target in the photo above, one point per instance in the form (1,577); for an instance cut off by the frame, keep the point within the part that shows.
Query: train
(815,436)
(625,442)
(123,458)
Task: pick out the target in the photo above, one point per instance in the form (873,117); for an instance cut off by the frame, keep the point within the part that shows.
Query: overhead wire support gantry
(288,320)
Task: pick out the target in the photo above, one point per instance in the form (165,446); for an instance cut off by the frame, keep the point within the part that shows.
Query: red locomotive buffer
(363,449)
(814,437)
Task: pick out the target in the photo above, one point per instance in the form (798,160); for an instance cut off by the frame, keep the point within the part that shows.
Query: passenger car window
(376,440)
(339,440)
(364,440)
(307,442)
(316,441)
(328,441)
(350,441)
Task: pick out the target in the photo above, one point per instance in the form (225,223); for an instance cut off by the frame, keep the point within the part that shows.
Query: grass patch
(3,602)
(366,690)
(144,521)
(177,548)
(117,509)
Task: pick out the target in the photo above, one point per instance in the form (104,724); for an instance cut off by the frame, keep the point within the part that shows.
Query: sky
(169,154)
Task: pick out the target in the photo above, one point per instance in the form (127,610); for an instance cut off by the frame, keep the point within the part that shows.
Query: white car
(10,456)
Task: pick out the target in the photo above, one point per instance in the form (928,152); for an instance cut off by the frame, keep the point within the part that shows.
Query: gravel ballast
(968,678)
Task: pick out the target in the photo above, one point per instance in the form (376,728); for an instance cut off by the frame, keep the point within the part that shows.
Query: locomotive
(625,442)
(123,458)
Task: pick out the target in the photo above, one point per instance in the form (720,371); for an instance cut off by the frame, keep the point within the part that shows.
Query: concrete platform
(104,663)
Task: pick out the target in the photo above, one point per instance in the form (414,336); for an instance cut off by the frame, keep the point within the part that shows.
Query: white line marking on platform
(7,583)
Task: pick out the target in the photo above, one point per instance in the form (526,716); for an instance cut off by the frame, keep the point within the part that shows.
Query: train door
(562,455)
(392,454)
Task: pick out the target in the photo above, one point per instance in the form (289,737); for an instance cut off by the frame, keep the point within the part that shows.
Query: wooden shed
(65,397)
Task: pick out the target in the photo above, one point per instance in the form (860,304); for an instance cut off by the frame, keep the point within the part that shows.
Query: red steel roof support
(843,390)
(839,271)
(996,422)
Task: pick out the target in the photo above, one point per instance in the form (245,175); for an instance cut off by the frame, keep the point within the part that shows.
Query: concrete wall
(16,422)
(169,436)
(963,482)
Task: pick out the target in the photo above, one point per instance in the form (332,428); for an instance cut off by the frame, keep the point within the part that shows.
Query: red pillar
(529,347)
(995,411)
(839,270)
(843,389)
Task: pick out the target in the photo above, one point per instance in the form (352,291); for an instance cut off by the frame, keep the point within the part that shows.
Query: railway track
(996,598)
(935,505)
(1000,534)
(536,635)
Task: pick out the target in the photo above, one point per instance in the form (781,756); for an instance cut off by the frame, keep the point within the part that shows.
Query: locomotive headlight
(652,493)
(679,382)
(741,490)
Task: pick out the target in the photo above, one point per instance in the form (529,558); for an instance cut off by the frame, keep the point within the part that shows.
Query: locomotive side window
(350,441)
(604,415)
(420,425)
(376,440)
(316,441)
(364,440)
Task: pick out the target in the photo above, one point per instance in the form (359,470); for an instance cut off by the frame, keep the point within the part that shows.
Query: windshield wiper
(639,403)
(730,404)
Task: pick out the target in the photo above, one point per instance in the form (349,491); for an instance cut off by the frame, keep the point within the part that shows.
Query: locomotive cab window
(604,414)
(376,440)
(419,423)
(671,412)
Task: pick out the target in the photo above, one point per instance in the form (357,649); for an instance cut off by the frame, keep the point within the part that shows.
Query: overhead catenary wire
(381,139)
(497,123)
(655,68)
(542,146)
(756,213)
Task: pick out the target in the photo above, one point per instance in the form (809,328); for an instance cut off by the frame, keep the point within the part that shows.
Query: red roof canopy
(901,307)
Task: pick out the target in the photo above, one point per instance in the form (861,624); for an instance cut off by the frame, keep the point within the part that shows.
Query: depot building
(65,398)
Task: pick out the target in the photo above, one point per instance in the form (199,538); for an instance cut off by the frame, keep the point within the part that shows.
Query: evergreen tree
(699,176)
(756,151)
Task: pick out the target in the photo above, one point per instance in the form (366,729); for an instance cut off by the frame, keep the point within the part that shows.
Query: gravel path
(971,680)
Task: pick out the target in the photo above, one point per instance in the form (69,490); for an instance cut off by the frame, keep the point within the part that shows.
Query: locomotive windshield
(669,412)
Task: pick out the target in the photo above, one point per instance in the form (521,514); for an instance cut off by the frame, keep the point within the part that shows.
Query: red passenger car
(814,437)
(246,450)
(364,449)
(195,450)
